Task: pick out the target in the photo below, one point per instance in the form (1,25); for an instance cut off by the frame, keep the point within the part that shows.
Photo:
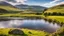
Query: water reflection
(30,24)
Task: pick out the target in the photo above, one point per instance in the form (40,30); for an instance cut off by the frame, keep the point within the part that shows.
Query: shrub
(50,20)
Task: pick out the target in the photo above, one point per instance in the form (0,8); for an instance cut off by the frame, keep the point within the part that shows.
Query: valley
(32,20)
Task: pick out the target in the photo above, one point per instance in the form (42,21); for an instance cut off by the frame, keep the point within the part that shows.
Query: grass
(58,8)
(58,18)
(55,10)
(13,11)
(21,15)
(26,31)
(9,8)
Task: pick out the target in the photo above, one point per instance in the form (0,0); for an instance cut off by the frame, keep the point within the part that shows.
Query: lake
(38,24)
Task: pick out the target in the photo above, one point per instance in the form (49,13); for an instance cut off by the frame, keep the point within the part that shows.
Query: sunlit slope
(58,18)
(9,8)
(58,8)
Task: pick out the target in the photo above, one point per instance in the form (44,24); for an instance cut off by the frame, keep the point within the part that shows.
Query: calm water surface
(30,24)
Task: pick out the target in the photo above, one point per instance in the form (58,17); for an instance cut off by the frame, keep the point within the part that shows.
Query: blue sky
(46,3)
(39,1)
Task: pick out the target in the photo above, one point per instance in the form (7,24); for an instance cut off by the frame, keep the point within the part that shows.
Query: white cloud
(18,2)
(52,3)
(15,2)
(48,4)
(21,1)
(1,0)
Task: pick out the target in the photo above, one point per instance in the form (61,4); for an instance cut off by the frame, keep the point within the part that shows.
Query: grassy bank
(5,31)
(58,18)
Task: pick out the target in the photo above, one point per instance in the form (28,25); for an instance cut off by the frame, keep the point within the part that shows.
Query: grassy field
(55,10)
(26,31)
(58,18)
(20,15)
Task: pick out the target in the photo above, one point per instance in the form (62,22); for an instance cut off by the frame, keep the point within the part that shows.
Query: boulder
(16,32)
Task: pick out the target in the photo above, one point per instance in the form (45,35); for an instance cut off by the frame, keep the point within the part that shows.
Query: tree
(54,13)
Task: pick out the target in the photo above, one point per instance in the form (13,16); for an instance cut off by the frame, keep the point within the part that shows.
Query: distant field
(58,18)
(26,31)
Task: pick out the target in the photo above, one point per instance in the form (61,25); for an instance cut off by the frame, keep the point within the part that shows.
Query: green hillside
(57,8)
(13,11)
(9,8)
(55,13)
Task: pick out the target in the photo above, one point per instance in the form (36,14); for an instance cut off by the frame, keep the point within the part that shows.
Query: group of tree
(54,13)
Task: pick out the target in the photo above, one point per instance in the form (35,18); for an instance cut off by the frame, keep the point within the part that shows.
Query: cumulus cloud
(15,2)
(53,3)
(48,4)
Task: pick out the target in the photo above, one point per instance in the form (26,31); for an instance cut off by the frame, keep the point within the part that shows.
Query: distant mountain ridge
(5,3)
(22,6)
(31,8)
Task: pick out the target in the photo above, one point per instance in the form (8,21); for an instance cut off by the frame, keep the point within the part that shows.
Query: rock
(16,32)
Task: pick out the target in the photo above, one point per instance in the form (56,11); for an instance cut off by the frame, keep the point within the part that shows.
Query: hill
(4,3)
(8,7)
(57,8)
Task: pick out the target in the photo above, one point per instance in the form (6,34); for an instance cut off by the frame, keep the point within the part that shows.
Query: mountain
(38,7)
(5,3)
(57,8)
(31,7)
(22,6)
(8,7)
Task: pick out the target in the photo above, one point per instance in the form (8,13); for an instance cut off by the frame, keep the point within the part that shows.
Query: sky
(46,3)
